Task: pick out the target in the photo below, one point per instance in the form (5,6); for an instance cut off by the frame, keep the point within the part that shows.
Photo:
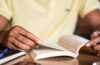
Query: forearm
(3,25)
(94,19)
(2,37)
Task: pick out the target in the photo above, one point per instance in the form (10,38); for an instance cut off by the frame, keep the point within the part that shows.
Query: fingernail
(88,44)
(95,33)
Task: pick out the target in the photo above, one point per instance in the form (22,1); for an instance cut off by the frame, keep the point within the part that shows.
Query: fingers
(29,35)
(11,46)
(95,39)
(97,47)
(21,39)
(93,42)
(17,45)
(26,41)
(20,45)
(95,34)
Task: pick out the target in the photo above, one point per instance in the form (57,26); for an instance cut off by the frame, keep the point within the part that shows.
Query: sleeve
(88,6)
(5,8)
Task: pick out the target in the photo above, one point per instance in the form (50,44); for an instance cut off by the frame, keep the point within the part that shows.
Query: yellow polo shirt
(47,19)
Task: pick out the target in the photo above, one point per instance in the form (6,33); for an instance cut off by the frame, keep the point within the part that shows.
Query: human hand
(20,39)
(95,42)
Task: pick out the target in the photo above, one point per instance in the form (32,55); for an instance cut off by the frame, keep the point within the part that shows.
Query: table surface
(82,59)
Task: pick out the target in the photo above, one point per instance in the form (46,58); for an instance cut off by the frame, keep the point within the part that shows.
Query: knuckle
(13,33)
(16,28)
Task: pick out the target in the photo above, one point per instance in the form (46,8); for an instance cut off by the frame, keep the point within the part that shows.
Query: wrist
(3,38)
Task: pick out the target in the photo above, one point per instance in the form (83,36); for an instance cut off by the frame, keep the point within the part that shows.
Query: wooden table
(83,59)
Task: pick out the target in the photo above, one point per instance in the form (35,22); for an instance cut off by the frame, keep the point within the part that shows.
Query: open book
(68,45)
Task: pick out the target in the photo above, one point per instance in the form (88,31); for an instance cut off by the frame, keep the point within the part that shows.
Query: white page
(45,52)
(53,45)
(72,42)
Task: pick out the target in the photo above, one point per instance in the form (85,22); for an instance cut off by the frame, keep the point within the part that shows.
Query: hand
(95,42)
(20,39)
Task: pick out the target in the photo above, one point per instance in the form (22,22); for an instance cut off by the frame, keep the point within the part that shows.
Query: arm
(17,38)
(94,19)
(3,25)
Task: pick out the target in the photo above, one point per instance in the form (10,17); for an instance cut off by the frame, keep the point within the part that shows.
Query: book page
(45,52)
(53,45)
(72,42)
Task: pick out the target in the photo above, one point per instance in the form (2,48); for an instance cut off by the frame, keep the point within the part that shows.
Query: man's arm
(17,38)
(3,25)
(94,19)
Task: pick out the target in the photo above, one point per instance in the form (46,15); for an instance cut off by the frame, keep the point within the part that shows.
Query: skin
(26,63)
(94,19)
(18,38)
